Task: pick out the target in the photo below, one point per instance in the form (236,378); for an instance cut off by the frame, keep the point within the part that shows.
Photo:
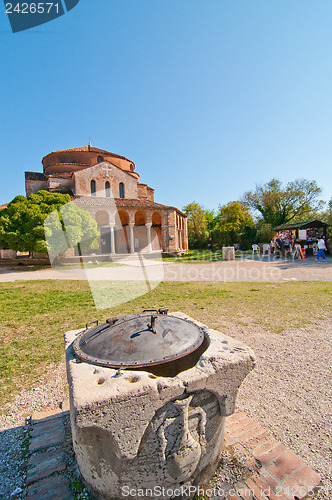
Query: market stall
(306,233)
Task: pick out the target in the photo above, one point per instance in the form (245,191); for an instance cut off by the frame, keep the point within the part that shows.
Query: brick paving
(49,467)
(280,475)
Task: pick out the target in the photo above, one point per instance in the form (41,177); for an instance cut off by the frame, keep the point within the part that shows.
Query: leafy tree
(330,204)
(264,232)
(248,236)
(280,205)
(233,220)
(22,223)
(197,224)
(69,227)
(325,216)
(211,219)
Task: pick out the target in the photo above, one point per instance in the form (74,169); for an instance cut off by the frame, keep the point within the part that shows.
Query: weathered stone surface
(228,253)
(137,430)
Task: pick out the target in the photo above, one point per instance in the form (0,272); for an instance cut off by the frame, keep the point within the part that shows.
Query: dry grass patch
(35,314)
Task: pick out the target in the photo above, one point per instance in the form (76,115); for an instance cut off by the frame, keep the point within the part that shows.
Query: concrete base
(134,431)
(228,253)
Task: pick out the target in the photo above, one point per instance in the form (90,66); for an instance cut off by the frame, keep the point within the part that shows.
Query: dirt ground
(243,269)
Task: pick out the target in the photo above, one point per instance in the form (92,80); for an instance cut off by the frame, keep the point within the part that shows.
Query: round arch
(156,232)
(140,218)
(156,219)
(124,217)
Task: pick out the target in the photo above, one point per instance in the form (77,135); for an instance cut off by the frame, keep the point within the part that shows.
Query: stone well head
(149,395)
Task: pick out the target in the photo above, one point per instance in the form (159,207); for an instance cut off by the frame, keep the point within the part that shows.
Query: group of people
(285,245)
(288,244)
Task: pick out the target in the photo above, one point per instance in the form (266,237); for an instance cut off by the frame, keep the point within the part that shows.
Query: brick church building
(106,185)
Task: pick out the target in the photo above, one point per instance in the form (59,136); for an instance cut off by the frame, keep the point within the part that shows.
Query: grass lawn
(199,256)
(202,256)
(87,265)
(35,314)
(66,267)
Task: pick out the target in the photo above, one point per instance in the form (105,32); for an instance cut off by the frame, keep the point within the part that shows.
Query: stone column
(162,237)
(131,237)
(185,234)
(112,239)
(148,230)
(180,239)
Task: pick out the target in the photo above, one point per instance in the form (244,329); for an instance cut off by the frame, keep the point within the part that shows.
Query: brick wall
(33,186)
(144,192)
(100,174)
(59,185)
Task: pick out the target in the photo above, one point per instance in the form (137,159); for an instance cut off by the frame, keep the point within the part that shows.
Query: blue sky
(208,98)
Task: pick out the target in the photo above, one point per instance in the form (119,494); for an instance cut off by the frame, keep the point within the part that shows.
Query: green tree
(69,227)
(233,221)
(197,224)
(211,218)
(325,216)
(280,205)
(248,236)
(22,223)
(264,233)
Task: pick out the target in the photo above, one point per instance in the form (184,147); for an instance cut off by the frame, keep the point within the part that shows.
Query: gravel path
(51,390)
(245,269)
(288,393)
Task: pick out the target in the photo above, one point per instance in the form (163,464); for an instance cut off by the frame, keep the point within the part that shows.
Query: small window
(107,189)
(100,159)
(121,190)
(93,187)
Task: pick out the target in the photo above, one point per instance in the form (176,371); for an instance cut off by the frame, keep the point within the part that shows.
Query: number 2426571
(32,8)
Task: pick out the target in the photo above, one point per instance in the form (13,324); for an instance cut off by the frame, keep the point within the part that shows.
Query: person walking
(292,248)
(321,247)
(286,244)
(278,247)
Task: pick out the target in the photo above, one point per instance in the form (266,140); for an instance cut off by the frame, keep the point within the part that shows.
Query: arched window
(107,189)
(93,187)
(99,159)
(121,190)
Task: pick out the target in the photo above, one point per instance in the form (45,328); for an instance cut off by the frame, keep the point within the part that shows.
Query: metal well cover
(138,340)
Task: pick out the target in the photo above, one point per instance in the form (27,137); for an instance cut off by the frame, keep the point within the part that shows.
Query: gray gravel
(289,394)
(11,463)
(51,390)
(261,269)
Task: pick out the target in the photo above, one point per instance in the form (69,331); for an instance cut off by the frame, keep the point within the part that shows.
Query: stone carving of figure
(180,450)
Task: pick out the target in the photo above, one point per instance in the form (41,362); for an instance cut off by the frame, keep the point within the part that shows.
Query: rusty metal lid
(138,340)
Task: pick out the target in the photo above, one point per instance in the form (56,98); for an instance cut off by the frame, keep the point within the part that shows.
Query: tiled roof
(120,202)
(91,149)
(63,175)
(35,176)
(128,172)
(306,224)
(69,163)
(83,148)
(4,206)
